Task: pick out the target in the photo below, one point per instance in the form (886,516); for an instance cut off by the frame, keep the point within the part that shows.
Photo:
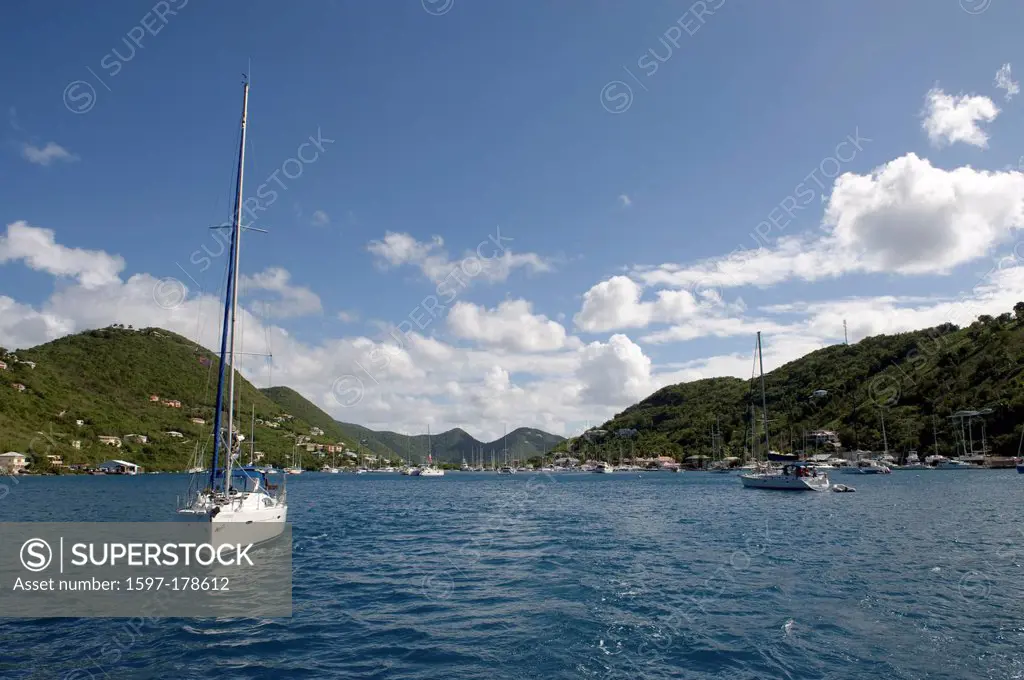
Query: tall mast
(764,402)
(230,299)
(236,227)
(252,437)
(935,435)
(885,441)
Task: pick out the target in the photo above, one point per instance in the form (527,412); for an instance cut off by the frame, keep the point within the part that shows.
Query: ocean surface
(573,575)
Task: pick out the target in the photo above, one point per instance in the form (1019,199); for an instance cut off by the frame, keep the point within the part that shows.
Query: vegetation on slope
(105,378)
(914,380)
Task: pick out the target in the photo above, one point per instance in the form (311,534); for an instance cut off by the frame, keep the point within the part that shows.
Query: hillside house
(79,422)
(119,467)
(259,421)
(110,440)
(55,461)
(258,456)
(825,438)
(172,403)
(12,463)
(174,433)
(3,366)
(137,438)
(273,424)
(76,444)
(198,421)
(30,364)
(154,397)
(818,394)
(19,387)
(316,432)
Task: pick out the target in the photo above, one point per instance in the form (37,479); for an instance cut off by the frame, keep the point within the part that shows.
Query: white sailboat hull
(431,472)
(249,517)
(781,482)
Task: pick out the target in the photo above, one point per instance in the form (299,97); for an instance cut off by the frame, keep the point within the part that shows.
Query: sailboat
(1019,462)
(196,467)
(237,498)
(332,468)
(296,467)
(793,476)
(430,470)
(506,469)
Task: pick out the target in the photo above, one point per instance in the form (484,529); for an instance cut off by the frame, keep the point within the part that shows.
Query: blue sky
(453,118)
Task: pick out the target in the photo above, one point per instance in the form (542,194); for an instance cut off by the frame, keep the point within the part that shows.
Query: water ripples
(581,576)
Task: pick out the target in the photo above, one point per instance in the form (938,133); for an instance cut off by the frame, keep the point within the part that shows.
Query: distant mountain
(455,445)
(450,446)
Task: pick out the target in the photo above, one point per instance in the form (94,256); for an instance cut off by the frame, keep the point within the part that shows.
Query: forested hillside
(100,383)
(913,380)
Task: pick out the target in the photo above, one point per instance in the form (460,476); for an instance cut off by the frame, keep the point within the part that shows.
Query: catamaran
(792,477)
(238,499)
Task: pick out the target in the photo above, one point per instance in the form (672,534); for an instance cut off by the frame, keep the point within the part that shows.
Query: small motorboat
(842,488)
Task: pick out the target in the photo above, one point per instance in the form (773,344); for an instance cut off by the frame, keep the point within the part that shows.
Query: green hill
(105,379)
(913,379)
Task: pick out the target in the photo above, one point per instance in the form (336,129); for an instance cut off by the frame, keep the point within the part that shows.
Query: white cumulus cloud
(955,118)
(511,325)
(38,249)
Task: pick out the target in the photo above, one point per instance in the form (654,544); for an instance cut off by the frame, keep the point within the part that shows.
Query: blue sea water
(653,575)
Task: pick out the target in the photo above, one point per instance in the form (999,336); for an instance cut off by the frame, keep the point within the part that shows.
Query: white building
(12,463)
(119,467)
(110,440)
